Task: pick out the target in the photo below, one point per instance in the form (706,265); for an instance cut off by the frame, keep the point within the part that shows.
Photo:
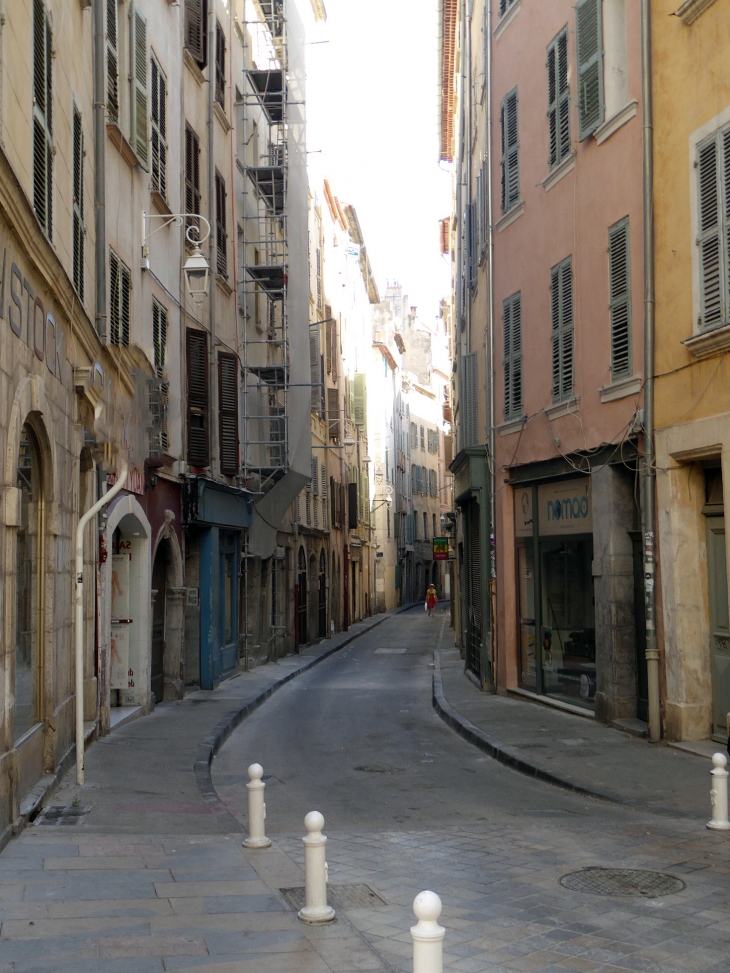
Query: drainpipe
(79,626)
(212,253)
(649,466)
(489,356)
(99,21)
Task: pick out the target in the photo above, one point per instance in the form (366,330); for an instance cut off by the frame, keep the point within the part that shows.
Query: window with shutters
(315,369)
(220,66)
(192,175)
(589,53)
(414,436)
(413,479)
(468,401)
(558,99)
(619,274)
(333,414)
(159,344)
(505,6)
(228,412)
(120,296)
(423,438)
(197,406)
(112,61)
(512,333)
(77,179)
(510,152)
(561,305)
(196,31)
(360,393)
(42,117)
(713,238)
(158,123)
(318,276)
(221,235)
(139,99)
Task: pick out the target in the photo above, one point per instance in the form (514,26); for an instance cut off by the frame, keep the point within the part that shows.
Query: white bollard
(256,809)
(428,935)
(315,872)
(718,793)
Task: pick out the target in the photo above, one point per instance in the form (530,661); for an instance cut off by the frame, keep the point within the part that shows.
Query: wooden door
(719,625)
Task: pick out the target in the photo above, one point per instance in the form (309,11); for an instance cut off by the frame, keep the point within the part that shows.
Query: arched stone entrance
(168,615)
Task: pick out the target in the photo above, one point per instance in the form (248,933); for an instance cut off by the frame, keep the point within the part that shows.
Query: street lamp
(196,267)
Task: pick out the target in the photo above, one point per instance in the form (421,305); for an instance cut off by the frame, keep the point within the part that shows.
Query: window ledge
(566,408)
(621,388)
(125,149)
(709,342)
(193,67)
(510,216)
(513,425)
(224,285)
(506,21)
(160,203)
(615,122)
(690,10)
(221,116)
(561,170)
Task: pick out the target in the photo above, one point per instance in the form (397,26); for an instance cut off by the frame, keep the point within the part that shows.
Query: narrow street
(151,875)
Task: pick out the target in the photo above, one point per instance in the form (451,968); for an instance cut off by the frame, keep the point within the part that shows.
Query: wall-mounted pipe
(79,626)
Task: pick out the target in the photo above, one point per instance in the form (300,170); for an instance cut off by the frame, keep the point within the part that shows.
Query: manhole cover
(622,881)
(69,815)
(380,769)
(341,897)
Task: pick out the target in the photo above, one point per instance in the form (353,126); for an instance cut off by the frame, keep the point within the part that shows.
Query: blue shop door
(228,603)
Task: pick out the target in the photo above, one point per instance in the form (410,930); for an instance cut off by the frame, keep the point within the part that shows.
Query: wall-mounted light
(196,267)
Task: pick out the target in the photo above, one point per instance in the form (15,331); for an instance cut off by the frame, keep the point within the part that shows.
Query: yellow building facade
(691,86)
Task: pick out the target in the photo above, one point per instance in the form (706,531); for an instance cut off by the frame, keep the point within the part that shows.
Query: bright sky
(372,94)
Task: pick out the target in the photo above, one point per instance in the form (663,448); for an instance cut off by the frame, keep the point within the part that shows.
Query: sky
(372,112)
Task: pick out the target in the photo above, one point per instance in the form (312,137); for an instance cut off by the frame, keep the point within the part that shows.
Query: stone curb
(233,718)
(507,755)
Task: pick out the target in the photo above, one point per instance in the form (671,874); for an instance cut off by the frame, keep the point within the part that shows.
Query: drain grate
(380,769)
(341,897)
(68,815)
(622,881)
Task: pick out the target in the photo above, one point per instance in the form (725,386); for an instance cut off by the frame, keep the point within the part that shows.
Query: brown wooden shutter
(197,366)
(228,412)
(220,65)
(221,234)
(195,32)
(333,414)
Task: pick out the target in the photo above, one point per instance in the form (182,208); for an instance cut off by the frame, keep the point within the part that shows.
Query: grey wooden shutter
(589,50)
(228,412)
(619,271)
(112,61)
(512,327)
(139,100)
(558,99)
(468,400)
(712,241)
(78,203)
(561,301)
(42,117)
(510,152)
(158,119)
(197,374)
(314,476)
(195,30)
(361,402)
(120,297)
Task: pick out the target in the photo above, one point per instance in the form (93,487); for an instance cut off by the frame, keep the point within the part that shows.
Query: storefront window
(27,604)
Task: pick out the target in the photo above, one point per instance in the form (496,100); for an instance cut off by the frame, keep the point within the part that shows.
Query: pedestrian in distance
(431,599)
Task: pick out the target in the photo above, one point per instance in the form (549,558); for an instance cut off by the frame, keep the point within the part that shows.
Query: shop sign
(566,507)
(523,512)
(440,548)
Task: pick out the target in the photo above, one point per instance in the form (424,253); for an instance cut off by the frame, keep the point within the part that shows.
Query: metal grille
(342,897)
(68,815)
(380,769)
(622,881)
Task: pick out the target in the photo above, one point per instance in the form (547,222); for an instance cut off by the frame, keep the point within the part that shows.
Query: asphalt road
(358,739)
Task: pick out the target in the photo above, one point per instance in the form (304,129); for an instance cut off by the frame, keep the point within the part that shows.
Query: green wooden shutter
(361,402)
(197,375)
(512,324)
(589,50)
(713,263)
(139,90)
(112,61)
(510,152)
(619,271)
(158,120)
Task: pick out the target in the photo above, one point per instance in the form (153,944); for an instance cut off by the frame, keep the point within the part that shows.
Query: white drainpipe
(79,627)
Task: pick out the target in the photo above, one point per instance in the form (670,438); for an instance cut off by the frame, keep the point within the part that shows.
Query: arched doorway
(322,595)
(302,603)
(29,599)
(160,582)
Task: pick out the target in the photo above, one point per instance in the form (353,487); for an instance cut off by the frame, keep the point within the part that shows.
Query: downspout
(649,466)
(212,252)
(79,626)
(99,21)
(489,355)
